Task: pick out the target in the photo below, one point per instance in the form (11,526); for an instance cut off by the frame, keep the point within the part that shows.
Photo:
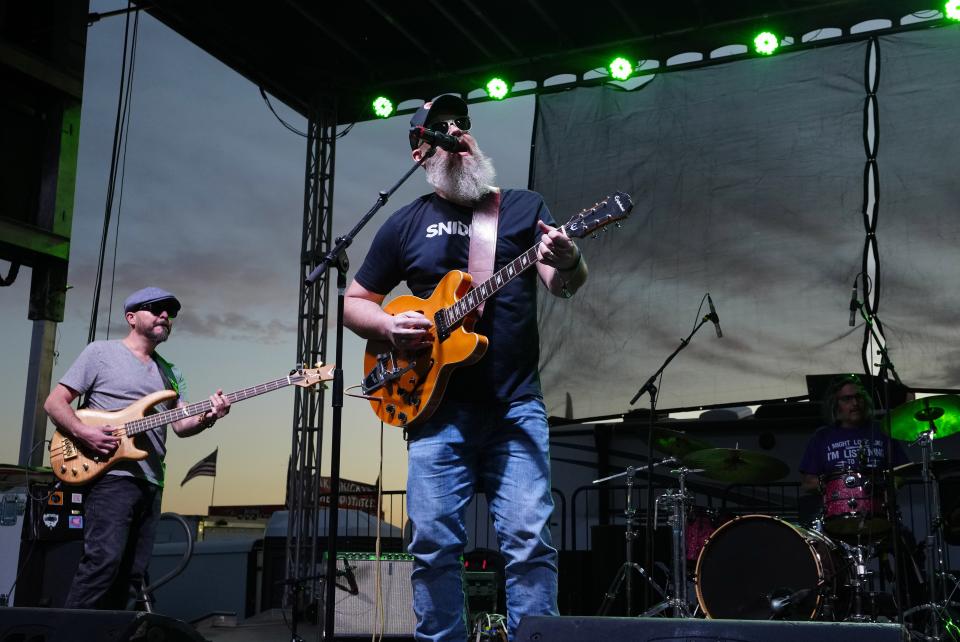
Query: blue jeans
(120,523)
(506,448)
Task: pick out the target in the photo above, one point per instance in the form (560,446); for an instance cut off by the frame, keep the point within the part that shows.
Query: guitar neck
(480,293)
(153,422)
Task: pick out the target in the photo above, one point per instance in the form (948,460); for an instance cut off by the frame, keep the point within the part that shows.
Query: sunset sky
(212,210)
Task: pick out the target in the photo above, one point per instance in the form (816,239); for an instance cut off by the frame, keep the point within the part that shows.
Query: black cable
(11,274)
(34,536)
(111,182)
(125,127)
(266,99)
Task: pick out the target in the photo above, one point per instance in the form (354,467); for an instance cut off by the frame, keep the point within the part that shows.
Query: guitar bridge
(383,373)
(69,449)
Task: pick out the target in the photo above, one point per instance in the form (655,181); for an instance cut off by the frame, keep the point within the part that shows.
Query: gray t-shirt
(114,378)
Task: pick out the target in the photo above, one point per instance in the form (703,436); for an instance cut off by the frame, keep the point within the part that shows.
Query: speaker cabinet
(356,601)
(591,629)
(74,625)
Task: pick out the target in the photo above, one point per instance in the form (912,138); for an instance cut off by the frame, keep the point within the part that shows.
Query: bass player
(122,507)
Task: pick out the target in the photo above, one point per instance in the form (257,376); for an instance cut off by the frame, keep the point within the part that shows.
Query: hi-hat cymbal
(908,421)
(736,466)
(677,443)
(939,468)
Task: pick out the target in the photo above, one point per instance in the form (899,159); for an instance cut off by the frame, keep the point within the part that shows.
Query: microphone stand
(651,388)
(338,257)
(886,368)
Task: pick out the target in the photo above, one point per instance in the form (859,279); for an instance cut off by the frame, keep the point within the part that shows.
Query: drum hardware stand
(886,369)
(676,502)
(650,387)
(624,575)
(859,581)
(941,585)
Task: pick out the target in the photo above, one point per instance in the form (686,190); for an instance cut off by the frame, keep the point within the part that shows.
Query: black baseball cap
(442,104)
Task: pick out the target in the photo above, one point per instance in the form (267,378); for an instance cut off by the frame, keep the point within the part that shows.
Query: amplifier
(356,600)
(56,515)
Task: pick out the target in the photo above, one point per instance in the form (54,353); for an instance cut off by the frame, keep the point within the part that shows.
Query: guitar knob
(86,467)
(391,408)
(63,468)
(402,417)
(74,471)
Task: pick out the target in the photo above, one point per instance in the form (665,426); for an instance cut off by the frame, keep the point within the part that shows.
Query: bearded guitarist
(490,428)
(122,507)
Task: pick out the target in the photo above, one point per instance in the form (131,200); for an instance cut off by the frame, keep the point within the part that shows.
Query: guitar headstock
(610,210)
(307,377)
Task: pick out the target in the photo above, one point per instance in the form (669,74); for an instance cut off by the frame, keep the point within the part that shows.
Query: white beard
(462,179)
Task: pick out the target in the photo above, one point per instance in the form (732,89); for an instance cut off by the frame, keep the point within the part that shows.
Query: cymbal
(939,468)
(908,421)
(677,443)
(737,466)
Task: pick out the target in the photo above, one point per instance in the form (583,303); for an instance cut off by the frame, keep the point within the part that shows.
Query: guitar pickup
(383,373)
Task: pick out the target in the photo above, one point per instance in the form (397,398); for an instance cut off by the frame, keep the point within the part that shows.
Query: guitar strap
(166,369)
(483,240)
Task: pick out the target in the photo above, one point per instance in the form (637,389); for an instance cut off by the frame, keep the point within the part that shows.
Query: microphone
(443,141)
(714,317)
(347,572)
(853,304)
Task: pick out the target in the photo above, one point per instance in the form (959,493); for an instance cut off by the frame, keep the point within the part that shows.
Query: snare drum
(758,567)
(855,503)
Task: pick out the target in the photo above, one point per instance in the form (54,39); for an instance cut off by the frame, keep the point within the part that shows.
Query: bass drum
(757,567)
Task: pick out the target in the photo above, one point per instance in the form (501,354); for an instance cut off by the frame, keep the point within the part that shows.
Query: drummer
(851,440)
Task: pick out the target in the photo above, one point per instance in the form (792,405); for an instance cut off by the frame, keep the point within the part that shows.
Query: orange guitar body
(416,393)
(73,464)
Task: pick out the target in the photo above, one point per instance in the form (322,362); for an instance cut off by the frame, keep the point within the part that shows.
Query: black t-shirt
(424,240)
(833,449)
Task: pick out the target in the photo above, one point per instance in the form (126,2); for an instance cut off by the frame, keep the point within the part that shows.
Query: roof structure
(408,51)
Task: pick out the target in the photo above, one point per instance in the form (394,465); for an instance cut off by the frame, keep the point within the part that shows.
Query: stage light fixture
(766,43)
(620,68)
(497,89)
(952,9)
(382,107)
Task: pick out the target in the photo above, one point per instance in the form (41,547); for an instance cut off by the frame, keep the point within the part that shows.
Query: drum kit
(760,566)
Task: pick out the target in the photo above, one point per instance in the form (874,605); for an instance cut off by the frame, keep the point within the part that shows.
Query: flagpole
(212,489)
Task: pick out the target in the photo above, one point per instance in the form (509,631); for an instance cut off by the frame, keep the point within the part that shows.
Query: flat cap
(146,295)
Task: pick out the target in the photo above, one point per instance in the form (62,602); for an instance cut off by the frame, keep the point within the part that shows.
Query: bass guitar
(405,387)
(73,463)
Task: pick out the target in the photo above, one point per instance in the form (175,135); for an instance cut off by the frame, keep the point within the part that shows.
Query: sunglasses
(443,126)
(159,307)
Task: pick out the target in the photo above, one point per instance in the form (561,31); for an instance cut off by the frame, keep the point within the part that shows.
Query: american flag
(206,466)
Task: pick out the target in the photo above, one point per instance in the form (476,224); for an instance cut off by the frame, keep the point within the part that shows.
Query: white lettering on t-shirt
(447,227)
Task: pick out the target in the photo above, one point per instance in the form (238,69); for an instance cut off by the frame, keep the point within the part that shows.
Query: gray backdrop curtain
(748,180)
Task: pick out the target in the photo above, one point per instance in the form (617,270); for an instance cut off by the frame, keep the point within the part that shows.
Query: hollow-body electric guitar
(405,387)
(73,463)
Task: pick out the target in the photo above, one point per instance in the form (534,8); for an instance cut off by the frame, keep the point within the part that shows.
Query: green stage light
(497,89)
(952,9)
(382,107)
(620,68)
(766,43)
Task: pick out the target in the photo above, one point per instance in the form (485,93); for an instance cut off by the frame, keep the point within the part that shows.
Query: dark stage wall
(748,179)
